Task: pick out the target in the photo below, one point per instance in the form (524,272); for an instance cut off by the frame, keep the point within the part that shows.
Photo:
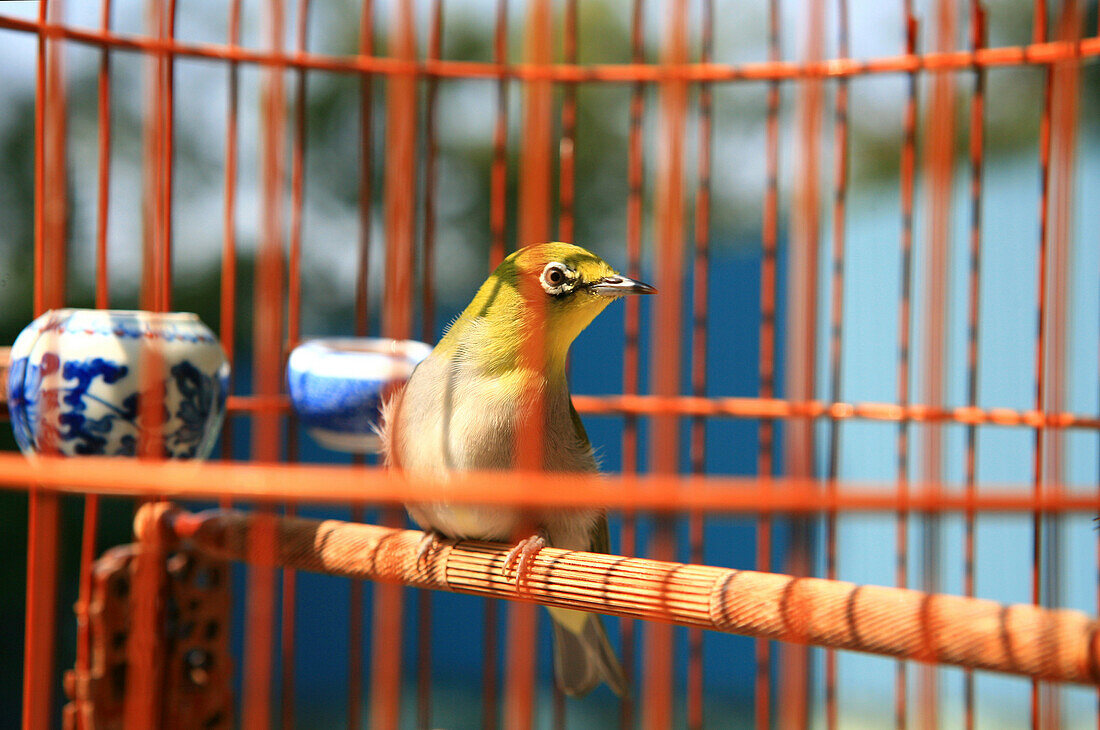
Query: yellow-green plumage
(505,307)
(467,404)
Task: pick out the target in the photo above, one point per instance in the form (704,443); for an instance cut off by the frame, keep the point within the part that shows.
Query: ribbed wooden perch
(1059,645)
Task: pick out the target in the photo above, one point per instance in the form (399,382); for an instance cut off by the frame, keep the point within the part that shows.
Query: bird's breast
(451,419)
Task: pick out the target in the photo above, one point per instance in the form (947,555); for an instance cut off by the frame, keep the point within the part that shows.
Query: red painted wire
(977,164)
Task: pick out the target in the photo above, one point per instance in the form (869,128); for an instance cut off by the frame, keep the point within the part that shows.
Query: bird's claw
(523,557)
(428,543)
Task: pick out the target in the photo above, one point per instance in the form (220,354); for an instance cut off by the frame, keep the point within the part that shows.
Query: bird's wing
(600,540)
(578,425)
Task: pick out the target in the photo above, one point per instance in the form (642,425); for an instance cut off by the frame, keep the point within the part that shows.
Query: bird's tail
(583,656)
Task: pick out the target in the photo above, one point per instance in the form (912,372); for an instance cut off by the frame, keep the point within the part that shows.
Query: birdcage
(872,360)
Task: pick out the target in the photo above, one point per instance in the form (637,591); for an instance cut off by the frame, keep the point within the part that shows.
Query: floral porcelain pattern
(74,385)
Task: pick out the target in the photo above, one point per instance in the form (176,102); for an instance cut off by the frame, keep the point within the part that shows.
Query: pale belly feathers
(451,418)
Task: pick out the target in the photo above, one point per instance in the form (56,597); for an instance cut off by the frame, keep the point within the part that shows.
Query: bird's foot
(431,540)
(523,556)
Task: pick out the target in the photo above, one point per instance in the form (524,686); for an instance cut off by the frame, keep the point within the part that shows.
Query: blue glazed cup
(76,387)
(337,386)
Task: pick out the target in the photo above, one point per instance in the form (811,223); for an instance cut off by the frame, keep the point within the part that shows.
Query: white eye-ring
(557,278)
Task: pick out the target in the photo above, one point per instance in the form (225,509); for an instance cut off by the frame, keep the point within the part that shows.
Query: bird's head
(554,289)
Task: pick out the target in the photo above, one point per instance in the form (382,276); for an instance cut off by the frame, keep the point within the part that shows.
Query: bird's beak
(617,286)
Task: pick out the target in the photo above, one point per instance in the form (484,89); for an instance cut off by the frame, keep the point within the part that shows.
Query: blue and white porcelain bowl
(75,382)
(338,385)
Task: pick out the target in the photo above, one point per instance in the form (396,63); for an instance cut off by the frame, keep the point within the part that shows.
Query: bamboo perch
(1059,645)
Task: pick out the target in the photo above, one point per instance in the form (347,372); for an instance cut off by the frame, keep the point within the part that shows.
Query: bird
(467,405)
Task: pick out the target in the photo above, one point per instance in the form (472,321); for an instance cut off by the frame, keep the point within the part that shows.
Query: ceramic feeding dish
(338,385)
(75,385)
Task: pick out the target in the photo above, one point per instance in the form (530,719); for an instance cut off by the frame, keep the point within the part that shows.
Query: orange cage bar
(871,360)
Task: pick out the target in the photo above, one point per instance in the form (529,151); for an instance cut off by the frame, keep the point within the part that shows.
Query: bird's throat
(497,342)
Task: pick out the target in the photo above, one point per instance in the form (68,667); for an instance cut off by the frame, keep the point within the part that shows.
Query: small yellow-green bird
(464,408)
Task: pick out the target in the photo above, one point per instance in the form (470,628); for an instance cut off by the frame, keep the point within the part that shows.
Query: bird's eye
(557,278)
